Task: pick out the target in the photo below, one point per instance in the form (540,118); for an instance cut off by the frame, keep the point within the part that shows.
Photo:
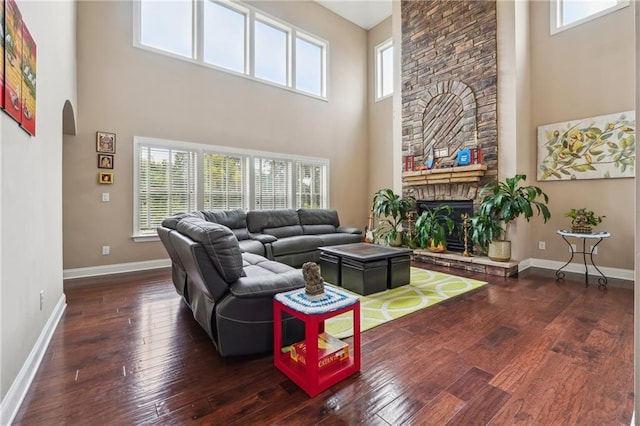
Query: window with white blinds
(310,185)
(166,185)
(172,177)
(225,181)
(272,183)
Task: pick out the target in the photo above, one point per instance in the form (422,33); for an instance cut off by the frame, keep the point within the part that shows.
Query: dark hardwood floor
(525,350)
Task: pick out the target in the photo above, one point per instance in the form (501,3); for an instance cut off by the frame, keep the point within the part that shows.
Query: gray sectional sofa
(227,265)
(297,234)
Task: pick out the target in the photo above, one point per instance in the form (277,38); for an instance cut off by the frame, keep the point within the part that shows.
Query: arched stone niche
(445,117)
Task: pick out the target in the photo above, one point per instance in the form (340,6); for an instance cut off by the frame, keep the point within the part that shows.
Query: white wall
(31,192)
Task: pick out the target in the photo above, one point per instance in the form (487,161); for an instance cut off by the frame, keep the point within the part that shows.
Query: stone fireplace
(449,103)
(449,86)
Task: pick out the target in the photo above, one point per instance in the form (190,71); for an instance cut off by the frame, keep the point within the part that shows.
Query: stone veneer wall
(449,85)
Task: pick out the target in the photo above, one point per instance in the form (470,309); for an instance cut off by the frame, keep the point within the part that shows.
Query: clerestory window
(384,69)
(567,14)
(233,37)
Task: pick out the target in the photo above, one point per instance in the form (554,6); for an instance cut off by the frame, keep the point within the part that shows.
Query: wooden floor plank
(520,350)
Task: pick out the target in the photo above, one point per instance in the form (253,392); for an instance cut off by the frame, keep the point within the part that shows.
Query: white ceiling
(364,13)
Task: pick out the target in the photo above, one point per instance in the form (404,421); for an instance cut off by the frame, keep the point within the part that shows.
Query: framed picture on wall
(13,60)
(105,161)
(105,178)
(106,142)
(600,147)
(28,121)
(1,54)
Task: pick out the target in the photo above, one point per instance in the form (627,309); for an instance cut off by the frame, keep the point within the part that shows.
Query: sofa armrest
(263,238)
(348,230)
(267,285)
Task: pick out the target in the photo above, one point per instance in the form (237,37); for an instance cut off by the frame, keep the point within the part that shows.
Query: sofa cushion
(220,244)
(296,244)
(338,238)
(251,246)
(236,220)
(318,229)
(318,217)
(284,231)
(172,222)
(266,286)
(258,220)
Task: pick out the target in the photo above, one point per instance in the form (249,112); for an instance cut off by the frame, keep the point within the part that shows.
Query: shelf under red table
(309,377)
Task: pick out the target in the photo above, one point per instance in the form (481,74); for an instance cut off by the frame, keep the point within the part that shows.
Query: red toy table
(313,312)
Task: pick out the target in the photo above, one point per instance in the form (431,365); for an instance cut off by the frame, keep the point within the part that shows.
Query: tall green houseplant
(502,203)
(390,209)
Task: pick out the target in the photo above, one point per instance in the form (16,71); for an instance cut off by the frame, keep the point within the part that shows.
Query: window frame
(555,15)
(323,61)
(250,155)
(199,35)
(274,24)
(252,14)
(379,75)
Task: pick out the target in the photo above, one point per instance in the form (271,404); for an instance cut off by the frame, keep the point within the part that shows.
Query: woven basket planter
(581,229)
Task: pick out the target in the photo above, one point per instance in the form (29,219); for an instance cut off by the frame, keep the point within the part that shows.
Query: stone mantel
(445,175)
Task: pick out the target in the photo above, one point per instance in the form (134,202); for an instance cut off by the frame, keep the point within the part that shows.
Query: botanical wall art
(591,148)
(18,70)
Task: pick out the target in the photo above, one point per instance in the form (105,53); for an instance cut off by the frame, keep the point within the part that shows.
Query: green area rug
(425,289)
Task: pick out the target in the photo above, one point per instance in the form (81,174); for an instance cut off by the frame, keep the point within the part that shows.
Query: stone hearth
(481,264)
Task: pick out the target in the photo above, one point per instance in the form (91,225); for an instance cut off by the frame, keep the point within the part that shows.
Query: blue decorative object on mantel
(464,157)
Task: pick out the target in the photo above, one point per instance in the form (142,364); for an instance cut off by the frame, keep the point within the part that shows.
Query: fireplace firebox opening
(455,240)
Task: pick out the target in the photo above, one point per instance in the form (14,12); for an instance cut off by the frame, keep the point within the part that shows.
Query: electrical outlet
(106,250)
(542,245)
(105,197)
(573,248)
(41,299)
(594,250)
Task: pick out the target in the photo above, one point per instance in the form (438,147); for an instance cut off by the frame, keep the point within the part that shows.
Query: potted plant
(582,220)
(432,227)
(502,203)
(482,230)
(390,209)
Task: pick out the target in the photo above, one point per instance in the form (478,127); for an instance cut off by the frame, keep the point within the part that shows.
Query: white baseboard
(578,268)
(13,399)
(118,268)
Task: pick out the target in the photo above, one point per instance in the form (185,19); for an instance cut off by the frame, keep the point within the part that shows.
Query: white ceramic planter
(500,251)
